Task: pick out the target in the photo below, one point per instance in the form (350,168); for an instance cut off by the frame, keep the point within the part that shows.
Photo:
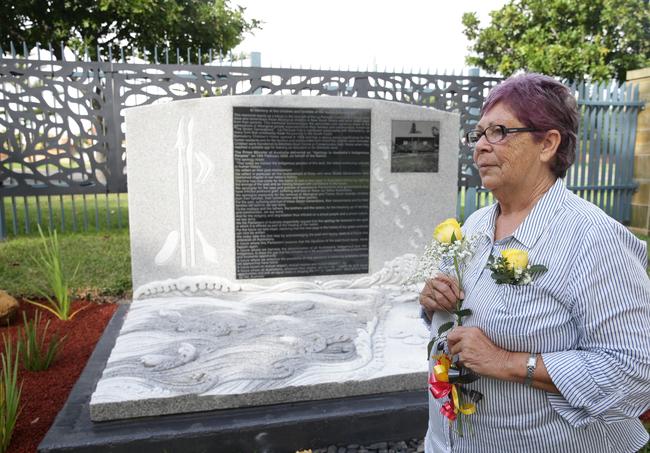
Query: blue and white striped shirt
(588,316)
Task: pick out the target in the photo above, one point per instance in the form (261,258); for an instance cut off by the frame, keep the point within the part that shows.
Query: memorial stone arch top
(271,237)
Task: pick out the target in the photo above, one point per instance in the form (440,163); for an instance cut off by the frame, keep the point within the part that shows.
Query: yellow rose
(517,259)
(443,232)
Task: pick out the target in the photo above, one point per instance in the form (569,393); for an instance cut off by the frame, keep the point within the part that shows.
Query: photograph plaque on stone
(302,191)
(415,146)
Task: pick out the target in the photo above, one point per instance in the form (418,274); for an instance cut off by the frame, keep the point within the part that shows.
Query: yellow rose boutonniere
(517,259)
(512,268)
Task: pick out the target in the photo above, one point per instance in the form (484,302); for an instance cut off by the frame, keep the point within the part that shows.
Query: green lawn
(65,213)
(104,261)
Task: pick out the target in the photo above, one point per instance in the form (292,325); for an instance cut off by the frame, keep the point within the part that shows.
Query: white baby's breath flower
(526,279)
(436,252)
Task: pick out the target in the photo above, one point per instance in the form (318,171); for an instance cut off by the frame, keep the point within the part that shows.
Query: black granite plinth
(277,428)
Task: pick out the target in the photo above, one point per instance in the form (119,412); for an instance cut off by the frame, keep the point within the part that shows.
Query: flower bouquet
(451,249)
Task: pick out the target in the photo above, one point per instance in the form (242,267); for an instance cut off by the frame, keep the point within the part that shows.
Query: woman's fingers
(476,351)
(440,294)
(444,294)
(452,283)
(454,337)
(444,302)
(427,299)
(428,305)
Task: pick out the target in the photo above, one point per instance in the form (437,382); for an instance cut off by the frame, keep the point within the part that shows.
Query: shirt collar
(535,223)
(540,217)
(487,223)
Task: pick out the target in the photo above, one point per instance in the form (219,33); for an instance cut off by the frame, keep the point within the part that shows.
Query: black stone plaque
(302,191)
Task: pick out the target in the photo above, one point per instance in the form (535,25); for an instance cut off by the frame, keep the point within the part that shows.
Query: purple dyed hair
(544,103)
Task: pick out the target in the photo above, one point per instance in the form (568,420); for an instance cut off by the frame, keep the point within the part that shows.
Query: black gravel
(402,446)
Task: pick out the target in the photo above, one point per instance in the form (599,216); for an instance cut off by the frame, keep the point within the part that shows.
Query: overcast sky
(409,34)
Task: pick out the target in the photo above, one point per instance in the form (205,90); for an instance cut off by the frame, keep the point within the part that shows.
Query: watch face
(532,361)
(530,369)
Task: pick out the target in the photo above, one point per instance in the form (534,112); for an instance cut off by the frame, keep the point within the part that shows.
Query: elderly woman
(564,360)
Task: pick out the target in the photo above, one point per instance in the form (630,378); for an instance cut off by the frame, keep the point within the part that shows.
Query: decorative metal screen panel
(62,128)
(53,128)
(147,84)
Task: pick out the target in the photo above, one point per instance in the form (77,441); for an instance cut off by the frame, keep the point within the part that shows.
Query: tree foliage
(576,39)
(131,24)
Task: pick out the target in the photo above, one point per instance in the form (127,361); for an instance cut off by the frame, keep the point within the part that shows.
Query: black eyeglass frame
(504,131)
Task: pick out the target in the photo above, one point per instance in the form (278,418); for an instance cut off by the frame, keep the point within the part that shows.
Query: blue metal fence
(604,167)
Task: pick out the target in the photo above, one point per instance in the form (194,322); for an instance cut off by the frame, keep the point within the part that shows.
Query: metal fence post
(113,128)
(3,214)
(256,62)
(3,219)
(470,200)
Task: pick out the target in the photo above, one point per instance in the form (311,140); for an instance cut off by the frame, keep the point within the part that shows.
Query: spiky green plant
(35,354)
(51,266)
(9,393)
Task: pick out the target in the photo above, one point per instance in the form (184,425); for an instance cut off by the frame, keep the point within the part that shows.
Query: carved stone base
(188,354)
(277,428)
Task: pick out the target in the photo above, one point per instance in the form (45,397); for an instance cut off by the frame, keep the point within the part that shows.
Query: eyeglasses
(494,134)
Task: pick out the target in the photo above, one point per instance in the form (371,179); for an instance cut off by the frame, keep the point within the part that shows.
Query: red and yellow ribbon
(440,387)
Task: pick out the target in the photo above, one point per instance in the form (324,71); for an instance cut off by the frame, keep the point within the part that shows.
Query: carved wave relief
(394,272)
(244,342)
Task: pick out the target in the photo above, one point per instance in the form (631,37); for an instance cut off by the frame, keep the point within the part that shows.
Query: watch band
(530,369)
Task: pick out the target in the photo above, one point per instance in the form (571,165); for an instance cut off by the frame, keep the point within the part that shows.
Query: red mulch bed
(45,392)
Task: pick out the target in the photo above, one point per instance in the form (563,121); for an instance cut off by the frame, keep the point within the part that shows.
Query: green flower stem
(459,302)
(470,425)
(459,420)
(459,320)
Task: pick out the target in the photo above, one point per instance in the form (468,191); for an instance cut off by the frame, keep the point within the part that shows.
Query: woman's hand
(477,352)
(440,294)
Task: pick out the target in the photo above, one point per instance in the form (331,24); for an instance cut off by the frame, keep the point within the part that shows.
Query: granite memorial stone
(271,237)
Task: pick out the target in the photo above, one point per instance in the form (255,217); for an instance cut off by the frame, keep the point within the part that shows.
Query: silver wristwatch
(530,368)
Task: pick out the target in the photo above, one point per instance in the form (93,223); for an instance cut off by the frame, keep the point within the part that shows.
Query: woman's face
(511,163)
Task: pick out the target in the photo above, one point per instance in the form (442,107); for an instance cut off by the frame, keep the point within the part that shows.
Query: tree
(575,39)
(131,24)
